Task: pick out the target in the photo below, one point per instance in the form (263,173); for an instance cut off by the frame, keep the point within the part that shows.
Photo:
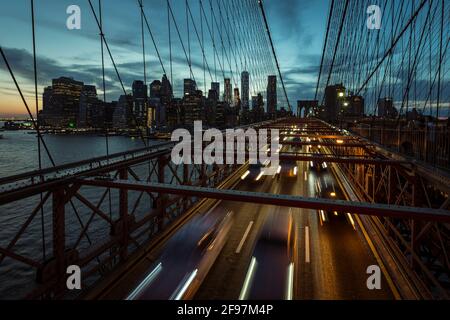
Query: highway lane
(331,257)
(163,274)
(338,254)
(228,273)
(179,259)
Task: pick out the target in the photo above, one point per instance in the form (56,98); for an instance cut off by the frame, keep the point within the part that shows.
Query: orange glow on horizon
(12,105)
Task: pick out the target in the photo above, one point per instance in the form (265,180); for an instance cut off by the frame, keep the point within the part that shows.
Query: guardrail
(429,144)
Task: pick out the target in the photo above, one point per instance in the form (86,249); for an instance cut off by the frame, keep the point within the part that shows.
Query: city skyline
(80,55)
(72,104)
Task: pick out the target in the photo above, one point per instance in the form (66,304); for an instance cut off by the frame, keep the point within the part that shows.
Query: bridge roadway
(329,257)
(329,263)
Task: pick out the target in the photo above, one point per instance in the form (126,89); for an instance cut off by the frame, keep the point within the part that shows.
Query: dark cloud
(312,70)
(289,20)
(20,61)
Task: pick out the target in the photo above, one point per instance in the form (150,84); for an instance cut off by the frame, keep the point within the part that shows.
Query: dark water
(19,149)
(18,154)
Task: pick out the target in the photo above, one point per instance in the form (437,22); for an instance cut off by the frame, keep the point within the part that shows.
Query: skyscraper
(166,90)
(254,102)
(90,108)
(334,100)
(155,89)
(193,107)
(64,102)
(237,98)
(386,108)
(272,95)
(227,92)
(173,113)
(190,87)
(46,97)
(245,90)
(121,117)
(216,87)
(140,102)
(258,108)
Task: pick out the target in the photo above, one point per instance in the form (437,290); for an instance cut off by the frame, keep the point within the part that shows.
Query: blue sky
(297,28)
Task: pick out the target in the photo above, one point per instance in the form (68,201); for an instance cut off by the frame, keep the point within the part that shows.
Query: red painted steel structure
(153,194)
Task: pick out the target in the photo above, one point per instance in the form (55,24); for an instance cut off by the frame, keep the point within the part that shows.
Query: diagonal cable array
(404,60)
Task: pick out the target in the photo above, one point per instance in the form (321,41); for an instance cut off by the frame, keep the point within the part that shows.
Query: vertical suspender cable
(324,48)
(37,123)
(103,69)
(261,5)
(104,94)
(188,33)
(170,43)
(440,63)
(344,14)
(203,46)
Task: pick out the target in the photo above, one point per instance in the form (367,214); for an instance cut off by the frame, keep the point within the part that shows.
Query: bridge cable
(33,122)
(211,34)
(203,45)
(181,39)
(35,126)
(274,53)
(337,43)
(224,52)
(151,36)
(330,14)
(205,61)
(169,28)
(104,99)
(118,74)
(387,53)
(440,62)
(37,112)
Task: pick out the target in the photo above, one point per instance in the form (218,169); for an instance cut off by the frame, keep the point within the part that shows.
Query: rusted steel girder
(286,156)
(325,144)
(334,137)
(380,210)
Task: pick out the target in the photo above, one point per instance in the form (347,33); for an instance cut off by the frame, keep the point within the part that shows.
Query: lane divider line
(307,249)
(145,283)
(290,282)
(241,244)
(248,280)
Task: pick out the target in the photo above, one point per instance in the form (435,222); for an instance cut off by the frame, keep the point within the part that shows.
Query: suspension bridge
(353,189)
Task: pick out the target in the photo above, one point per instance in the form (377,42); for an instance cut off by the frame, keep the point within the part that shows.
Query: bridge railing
(50,220)
(429,144)
(99,164)
(422,245)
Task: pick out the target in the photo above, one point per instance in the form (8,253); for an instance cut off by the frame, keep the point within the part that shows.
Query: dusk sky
(297,27)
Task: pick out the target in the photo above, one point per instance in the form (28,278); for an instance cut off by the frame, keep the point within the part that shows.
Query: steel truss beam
(326,144)
(379,210)
(287,156)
